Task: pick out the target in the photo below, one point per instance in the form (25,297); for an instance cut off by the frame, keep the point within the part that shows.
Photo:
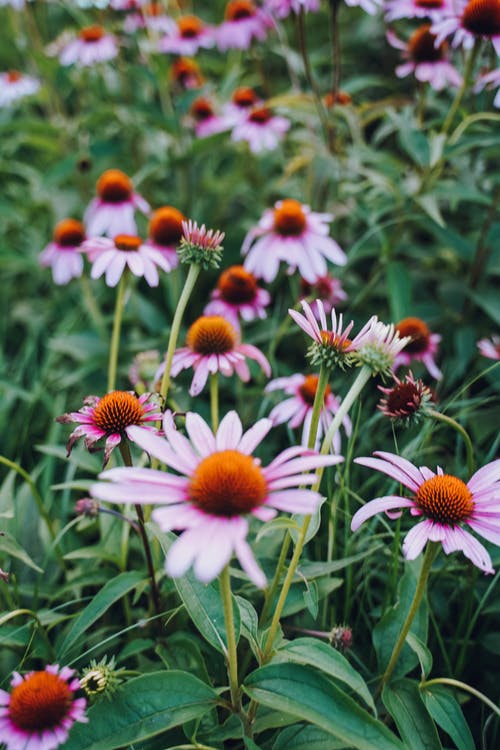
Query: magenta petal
(249,563)
(459,540)
(397,472)
(416,539)
(379,505)
(485,476)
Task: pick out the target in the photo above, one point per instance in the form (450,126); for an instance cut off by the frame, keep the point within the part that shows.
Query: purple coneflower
(112,211)
(187,36)
(243,22)
(63,254)
(421,347)
(434,9)
(15,86)
(92,45)
(237,294)
(261,129)
(427,60)
(165,232)
(469,20)
(112,257)
(490,348)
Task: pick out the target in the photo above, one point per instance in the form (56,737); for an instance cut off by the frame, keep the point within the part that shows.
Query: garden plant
(249,473)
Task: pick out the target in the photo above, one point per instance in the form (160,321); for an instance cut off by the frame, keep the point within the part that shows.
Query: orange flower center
(201,109)
(419,333)
(238,9)
(69,233)
(237,285)
(430,4)
(211,334)
(421,46)
(228,483)
(289,218)
(244,96)
(114,186)
(260,115)
(165,227)
(13,76)
(482,17)
(309,387)
(91,34)
(330,339)
(40,702)
(127,242)
(189,26)
(117,410)
(186,72)
(445,498)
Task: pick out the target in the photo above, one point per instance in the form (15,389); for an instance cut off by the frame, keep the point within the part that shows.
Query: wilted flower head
(111,417)
(87,506)
(41,708)
(200,245)
(406,400)
(341,638)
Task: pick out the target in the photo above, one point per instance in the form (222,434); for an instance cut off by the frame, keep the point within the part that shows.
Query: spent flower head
(200,245)
(406,401)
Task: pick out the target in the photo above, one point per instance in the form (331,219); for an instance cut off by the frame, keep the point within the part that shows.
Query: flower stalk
(115,336)
(461,431)
(231,654)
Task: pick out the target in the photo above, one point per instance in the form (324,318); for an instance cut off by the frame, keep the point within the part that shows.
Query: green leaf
(142,708)
(415,144)
(446,712)
(312,697)
(317,569)
(423,654)
(300,737)
(403,701)
(325,658)
(488,300)
(249,624)
(10,547)
(399,288)
(108,595)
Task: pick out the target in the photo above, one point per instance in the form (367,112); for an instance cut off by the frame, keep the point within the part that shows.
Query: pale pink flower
(237,294)
(152,17)
(422,346)
(112,211)
(447,505)
(489,80)
(243,100)
(469,20)
(213,345)
(243,22)
(218,485)
(165,232)
(92,45)
(291,233)
(63,253)
(380,346)
(283,8)
(15,86)
(433,9)
(490,348)
(298,409)
(206,122)
(369,6)
(126,4)
(40,709)
(335,336)
(327,288)
(262,130)
(110,418)
(187,36)
(112,257)
(427,61)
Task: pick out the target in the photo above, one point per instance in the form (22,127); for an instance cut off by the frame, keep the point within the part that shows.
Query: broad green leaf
(415,144)
(312,697)
(142,708)
(403,701)
(295,600)
(399,288)
(422,652)
(300,737)
(10,547)
(249,624)
(488,300)
(317,569)
(102,601)
(325,658)
(386,631)
(446,712)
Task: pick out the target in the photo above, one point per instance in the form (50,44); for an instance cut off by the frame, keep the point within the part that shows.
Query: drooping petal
(295,501)
(459,540)
(393,468)
(416,539)
(378,505)
(249,563)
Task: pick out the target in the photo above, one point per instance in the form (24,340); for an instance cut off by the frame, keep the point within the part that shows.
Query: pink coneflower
(446,504)
(151,16)
(243,100)
(469,20)
(219,483)
(433,9)
(200,245)
(63,253)
(213,345)
(427,61)
(187,36)
(40,709)
(15,86)
(406,400)
(112,212)
(369,6)
(421,347)
(206,121)
(92,45)
(298,409)
(292,233)
(237,294)
(489,80)
(283,8)
(490,348)
(185,74)
(261,130)
(110,418)
(112,257)
(243,22)
(327,288)
(165,232)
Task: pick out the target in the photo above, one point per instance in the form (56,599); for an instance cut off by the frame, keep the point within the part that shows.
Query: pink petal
(199,378)
(298,465)
(229,433)
(183,551)
(400,470)
(137,493)
(459,540)
(485,476)
(416,539)
(254,436)
(200,434)
(295,501)
(217,547)
(490,531)
(249,564)
(159,448)
(379,505)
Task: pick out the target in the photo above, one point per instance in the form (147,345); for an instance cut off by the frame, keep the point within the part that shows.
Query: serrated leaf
(312,697)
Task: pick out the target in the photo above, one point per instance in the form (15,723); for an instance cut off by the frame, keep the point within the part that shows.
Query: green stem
(429,556)
(469,67)
(271,592)
(127,460)
(458,427)
(231,655)
(352,394)
(214,400)
(319,399)
(461,686)
(194,270)
(115,336)
(92,307)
